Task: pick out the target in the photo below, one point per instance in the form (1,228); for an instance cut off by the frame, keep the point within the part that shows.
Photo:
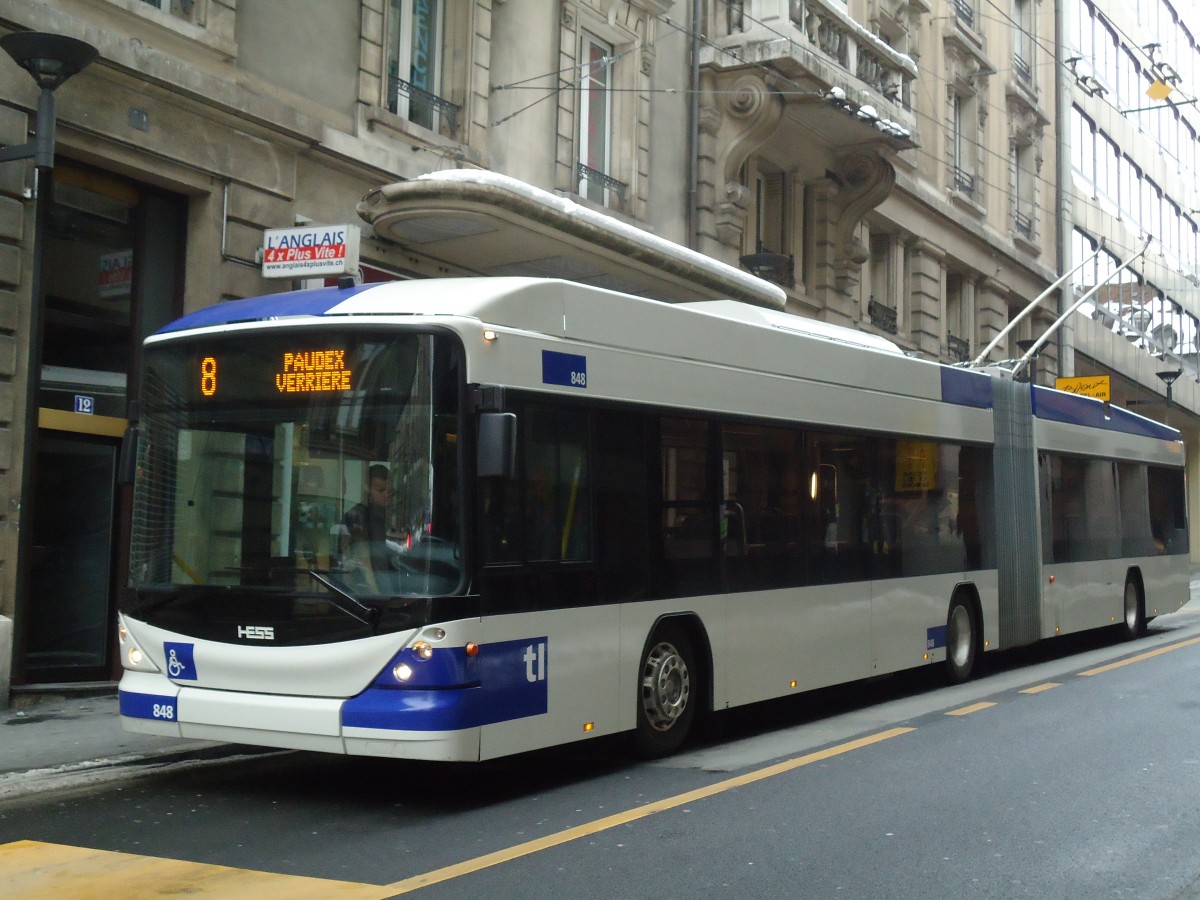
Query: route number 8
(208,376)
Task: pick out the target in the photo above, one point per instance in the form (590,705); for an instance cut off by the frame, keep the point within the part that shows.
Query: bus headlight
(422,650)
(133,657)
(402,672)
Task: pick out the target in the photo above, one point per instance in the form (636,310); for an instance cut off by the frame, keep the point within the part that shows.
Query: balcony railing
(957,348)
(965,11)
(962,181)
(421,104)
(1023,224)
(829,29)
(1023,70)
(882,317)
(595,176)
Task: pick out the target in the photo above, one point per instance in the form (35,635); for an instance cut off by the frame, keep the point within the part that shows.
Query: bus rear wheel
(962,640)
(668,688)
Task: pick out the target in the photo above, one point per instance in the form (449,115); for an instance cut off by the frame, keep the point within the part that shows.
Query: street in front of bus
(1058,774)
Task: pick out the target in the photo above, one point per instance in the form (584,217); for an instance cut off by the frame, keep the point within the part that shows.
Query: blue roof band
(1074,409)
(314,302)
(966,388)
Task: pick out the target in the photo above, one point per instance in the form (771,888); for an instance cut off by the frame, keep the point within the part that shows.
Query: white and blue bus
(595,513)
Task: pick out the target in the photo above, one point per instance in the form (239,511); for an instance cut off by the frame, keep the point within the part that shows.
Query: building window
(183,9)
(959,300)
(415,39)
(1024,189)
(1083,150)
(1023,41)
(595,119)
(882,301)
(965,126)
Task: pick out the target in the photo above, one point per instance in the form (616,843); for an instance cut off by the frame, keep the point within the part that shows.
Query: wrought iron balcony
(965,11)
(1023,224)
(962,181)
(1023,70)
(957,348)
(882,316)
(421,104)
(595,176)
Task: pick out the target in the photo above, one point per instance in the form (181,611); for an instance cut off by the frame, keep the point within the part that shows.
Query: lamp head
(50,58)
(1169,376)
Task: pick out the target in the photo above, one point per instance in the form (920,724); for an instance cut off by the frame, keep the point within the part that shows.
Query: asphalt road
(1057,775)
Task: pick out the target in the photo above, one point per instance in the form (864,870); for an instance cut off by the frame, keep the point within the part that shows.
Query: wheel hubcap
(665,687)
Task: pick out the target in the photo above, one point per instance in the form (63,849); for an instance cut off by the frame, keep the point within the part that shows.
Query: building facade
(898,166)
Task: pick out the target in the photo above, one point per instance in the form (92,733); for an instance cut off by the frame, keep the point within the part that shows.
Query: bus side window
(557,486)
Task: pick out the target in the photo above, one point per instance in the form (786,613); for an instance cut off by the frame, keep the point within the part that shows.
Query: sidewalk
(56,742)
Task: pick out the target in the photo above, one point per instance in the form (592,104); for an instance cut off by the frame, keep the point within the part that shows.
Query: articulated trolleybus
(456,519)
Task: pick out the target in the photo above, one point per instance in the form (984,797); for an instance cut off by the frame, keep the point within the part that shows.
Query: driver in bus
(364,528)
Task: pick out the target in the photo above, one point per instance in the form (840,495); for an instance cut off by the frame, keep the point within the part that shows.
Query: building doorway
(112,274)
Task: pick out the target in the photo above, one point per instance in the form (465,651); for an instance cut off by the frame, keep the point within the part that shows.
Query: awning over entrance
(491,224)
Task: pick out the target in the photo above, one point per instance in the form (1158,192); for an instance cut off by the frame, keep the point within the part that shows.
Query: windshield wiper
(349,604)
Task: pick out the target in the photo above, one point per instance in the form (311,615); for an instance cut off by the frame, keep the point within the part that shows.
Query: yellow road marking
(33,870)
(967,710)
(1141,657)
(1037,689)
(632,815)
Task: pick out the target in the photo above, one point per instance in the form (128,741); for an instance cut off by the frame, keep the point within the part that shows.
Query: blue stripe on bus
(148,706)
(1075,409)
(966,388)
(935,637)
(514,678)
(314,302)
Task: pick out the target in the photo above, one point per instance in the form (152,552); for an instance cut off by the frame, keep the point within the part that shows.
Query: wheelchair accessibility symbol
(181,664)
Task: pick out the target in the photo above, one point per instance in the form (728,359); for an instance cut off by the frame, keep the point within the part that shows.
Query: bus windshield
(309,461)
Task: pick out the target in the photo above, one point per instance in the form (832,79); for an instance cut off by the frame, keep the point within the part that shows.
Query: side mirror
(497,456)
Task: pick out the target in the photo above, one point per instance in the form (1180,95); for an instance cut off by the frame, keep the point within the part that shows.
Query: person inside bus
(364,527)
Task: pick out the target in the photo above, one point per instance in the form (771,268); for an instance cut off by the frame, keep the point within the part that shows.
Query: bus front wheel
(668,689)
(1134,623)
(962,640)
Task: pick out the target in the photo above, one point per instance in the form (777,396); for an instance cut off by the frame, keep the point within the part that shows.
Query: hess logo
(256,632)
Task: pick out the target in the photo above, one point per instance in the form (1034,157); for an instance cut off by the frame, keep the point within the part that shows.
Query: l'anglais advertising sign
(310,251)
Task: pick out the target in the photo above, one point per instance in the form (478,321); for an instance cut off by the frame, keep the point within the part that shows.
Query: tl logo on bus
(535,662)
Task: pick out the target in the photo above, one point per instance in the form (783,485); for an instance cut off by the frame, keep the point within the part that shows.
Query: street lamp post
(50,59)
(1168,378)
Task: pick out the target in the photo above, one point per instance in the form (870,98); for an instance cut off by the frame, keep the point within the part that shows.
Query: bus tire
(668,692)
(1133,623)
(962,639)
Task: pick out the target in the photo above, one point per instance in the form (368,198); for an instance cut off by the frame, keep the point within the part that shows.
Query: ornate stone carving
(747,111)
(866,180)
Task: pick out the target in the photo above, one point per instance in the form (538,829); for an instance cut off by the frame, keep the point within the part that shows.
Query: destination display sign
(295,372)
